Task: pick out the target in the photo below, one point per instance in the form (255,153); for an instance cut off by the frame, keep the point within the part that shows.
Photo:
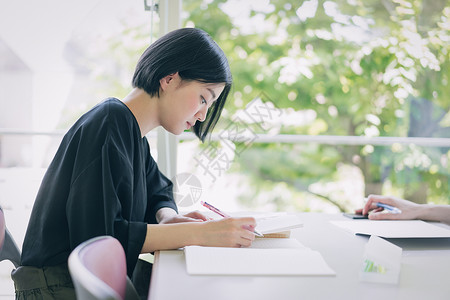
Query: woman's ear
(168,80)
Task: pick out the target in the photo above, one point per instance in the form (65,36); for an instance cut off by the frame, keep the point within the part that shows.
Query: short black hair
(195,56)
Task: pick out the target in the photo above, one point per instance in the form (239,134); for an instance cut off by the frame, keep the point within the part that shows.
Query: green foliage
(353,68)
(366,68)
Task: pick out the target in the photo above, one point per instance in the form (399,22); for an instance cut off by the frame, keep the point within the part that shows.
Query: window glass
(369,76)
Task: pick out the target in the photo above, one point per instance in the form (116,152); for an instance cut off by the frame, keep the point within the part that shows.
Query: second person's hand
(408,209)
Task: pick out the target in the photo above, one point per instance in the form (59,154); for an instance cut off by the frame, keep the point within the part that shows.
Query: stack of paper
(277,223)
(265,257)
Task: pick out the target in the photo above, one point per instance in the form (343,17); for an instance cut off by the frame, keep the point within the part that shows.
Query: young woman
(103,180)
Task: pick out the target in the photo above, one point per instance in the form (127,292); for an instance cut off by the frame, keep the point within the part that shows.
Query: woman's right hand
(410,210)
(228,232)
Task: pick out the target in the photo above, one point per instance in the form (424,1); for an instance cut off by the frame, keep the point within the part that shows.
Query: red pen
(224,215)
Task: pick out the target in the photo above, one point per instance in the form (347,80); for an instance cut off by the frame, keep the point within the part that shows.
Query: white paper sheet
(394,229)
(251,261)
(381,262)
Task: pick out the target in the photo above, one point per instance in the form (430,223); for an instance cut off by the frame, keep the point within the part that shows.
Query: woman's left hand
(193,216)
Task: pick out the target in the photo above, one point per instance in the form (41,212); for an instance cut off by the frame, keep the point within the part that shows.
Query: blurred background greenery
(339,68)
(346,68)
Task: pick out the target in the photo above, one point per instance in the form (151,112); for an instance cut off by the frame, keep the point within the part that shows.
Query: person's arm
(439,213)
(162,208)
(410,210)
(160,201)
(168,215)
(99,204)
(229,232)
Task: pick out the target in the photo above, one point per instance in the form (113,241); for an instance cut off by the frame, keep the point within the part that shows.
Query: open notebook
(265,257)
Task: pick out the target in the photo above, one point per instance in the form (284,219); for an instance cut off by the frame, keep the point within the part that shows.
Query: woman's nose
(201,114)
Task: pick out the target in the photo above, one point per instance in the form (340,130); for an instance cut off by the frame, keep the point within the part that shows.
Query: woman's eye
(203,100)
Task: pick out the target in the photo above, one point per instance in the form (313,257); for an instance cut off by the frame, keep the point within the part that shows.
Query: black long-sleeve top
(102,181)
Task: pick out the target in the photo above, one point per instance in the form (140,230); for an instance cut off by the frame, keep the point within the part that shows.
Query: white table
(425,271)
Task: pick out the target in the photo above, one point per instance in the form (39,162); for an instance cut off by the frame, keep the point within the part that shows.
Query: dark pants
(54,283)
(141,278)
(50,283)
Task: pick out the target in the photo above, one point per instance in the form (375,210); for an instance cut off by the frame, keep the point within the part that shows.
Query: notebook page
(248,261)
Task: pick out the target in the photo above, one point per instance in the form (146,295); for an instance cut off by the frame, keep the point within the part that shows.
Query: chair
(98,270)
(8,247)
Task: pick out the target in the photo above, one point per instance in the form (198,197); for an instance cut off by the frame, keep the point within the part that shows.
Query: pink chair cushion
(97,257)
(2,229)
